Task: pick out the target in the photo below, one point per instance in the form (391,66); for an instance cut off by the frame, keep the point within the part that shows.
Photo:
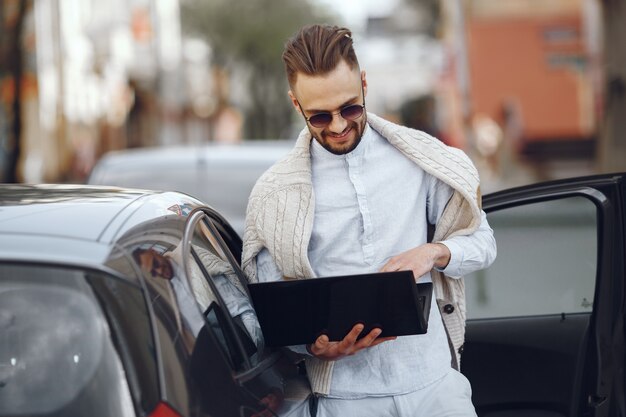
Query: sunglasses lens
(321,119)
(352,112)
(324,119)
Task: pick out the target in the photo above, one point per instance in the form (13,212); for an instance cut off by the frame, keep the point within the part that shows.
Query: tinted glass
(176,317)
(210,264)
(57,357)
(129,319)
(546,263)
(162,268)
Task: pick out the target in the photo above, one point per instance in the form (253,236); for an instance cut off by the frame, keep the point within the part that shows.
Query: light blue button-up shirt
(371,204)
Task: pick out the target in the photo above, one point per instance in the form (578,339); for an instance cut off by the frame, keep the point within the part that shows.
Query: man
(161,267)
(193,301)
(356,195)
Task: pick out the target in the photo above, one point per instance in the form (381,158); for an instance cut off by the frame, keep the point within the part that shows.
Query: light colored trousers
(451,396)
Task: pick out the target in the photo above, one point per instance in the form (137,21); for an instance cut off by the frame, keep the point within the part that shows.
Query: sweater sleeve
(468,253)
(472,252)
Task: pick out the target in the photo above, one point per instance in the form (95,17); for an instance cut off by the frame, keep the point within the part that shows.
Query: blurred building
(100,76)
(534,64)
(518,75)
(18,82)
(109,77)
(398,48)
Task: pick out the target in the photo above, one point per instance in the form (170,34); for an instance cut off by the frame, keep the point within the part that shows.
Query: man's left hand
(420,260)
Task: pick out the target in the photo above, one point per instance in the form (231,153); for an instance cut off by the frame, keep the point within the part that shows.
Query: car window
(57,356)
(219,292)
(126,308)
(178,321)
(546,262)
(162,267)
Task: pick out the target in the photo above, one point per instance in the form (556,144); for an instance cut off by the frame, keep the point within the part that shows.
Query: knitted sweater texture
(281,210)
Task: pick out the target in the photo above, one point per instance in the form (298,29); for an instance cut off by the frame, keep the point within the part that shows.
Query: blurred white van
(220,175)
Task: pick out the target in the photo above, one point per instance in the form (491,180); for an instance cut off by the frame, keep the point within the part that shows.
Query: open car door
(545,330)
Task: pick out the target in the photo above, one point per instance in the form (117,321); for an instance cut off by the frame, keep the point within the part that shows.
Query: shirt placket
(356,178)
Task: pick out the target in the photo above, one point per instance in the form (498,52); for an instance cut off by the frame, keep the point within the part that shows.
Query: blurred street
(522,173)
(531,92)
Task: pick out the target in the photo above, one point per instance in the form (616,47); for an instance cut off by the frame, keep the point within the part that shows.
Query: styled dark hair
(317,50)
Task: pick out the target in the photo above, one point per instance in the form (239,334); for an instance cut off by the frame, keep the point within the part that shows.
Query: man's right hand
(331,351)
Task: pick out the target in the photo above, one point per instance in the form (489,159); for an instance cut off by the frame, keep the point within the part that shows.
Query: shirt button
(448,309)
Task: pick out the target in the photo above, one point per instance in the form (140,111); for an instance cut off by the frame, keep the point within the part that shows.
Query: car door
(258,381)
(545,329)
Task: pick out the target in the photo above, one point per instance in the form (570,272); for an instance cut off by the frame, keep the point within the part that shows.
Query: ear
(294,101)
(364,82)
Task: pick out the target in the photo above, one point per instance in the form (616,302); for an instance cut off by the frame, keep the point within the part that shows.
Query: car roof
(77,222)
(263,152)
(222,175)
(46,210)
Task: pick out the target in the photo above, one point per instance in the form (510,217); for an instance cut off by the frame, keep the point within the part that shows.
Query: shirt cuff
(456,259)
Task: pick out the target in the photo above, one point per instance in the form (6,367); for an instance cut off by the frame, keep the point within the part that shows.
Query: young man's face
(156,264)
(330,93)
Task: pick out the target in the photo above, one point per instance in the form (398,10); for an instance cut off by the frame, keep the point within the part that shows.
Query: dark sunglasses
(349,112)
(323,119)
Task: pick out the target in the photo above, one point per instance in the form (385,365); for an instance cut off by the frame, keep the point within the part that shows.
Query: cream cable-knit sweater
(281,210)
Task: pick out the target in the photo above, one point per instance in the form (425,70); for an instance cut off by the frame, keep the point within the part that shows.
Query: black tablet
(296,312)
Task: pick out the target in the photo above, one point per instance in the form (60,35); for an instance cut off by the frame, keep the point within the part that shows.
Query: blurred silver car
(220,174)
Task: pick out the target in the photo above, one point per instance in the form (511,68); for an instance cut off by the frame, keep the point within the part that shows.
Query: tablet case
(296,312)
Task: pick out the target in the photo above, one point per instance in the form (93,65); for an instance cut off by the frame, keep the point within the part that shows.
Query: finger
(355,332)
(390,266)
(417,273)
(348,342)
(369,338)
(320,345)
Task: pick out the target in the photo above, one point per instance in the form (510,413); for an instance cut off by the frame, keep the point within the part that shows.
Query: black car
(93,323)
(97,317)
(545,329)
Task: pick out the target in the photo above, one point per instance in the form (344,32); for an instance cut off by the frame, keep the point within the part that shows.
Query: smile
(341,135)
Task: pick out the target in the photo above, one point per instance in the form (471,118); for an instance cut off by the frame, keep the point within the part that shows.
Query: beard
(325,138)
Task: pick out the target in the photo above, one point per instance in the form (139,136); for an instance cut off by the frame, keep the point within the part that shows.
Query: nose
(338,124)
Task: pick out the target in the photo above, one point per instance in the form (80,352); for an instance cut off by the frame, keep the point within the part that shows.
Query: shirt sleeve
(266,268)
(468,253)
